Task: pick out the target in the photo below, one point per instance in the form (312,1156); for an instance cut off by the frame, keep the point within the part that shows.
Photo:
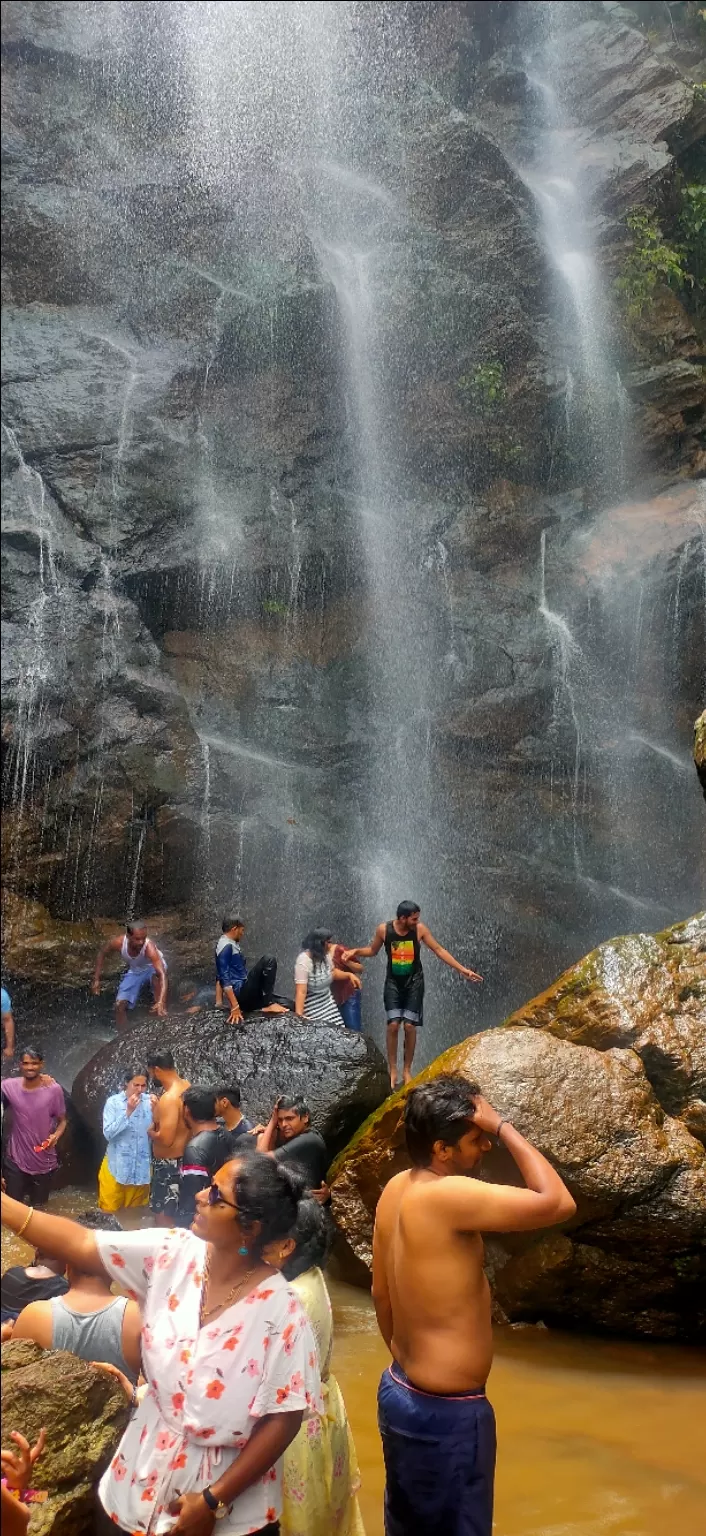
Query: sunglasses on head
(216,1198)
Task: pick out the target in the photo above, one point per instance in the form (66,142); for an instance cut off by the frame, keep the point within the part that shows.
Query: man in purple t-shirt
(38,1120)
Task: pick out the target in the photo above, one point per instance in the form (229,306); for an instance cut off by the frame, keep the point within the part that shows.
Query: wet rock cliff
(190,710)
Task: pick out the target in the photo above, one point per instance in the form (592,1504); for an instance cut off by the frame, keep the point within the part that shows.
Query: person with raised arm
(145,964)
(432,1301)
(403,993)
(228,1355)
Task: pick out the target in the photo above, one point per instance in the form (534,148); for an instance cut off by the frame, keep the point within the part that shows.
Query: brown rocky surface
(84,1411)
(604,1072)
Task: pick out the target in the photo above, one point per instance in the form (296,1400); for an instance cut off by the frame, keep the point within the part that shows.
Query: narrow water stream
(595,1437)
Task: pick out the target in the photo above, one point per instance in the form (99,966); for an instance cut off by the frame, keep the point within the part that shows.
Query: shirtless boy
(433,1305)
(169,1135)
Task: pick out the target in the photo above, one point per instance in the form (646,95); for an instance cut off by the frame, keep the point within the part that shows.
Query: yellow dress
(321,1476)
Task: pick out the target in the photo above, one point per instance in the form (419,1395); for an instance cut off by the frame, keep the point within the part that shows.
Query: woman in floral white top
(228,1355)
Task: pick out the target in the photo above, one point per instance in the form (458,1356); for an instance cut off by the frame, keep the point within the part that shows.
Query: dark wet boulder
(603,1074)
(341,1074)
(84,1411)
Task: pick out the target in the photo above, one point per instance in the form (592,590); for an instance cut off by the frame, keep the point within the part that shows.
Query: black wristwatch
(217,1506)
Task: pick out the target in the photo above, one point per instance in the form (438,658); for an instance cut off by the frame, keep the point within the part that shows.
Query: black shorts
(405,1000)
(164,1185)
(30,1188)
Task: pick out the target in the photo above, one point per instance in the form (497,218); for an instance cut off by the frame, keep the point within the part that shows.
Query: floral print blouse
(207,1387)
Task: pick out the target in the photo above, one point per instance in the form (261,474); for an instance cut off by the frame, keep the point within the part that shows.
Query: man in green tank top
(403,993)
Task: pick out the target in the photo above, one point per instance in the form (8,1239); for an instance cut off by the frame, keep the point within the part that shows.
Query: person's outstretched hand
(484,1116)
(17,1465)
(235,1016)
(469,974)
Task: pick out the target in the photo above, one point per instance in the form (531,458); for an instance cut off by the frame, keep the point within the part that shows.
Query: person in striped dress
(313,975)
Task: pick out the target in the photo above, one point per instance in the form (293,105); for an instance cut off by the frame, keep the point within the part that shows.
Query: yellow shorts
(112,1196)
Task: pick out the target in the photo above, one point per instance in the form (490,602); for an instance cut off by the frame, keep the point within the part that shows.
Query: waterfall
(566,651)
(554,175)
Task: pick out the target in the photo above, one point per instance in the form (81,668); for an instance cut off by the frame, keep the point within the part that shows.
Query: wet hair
(133,1071)
(232,1094)
(316,943)
(162,1059)
(32,1052)
(267,1192)
(136,925)
(438,1111)
(408,909)
(200,1102)
(231,922)
(99,1221)
(298,1104)
(312,1235)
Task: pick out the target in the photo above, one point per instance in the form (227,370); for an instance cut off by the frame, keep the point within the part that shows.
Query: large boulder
(84,1411)
(341,1074)
(615,1105)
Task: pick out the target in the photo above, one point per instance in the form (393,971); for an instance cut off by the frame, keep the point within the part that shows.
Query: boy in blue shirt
(245,990)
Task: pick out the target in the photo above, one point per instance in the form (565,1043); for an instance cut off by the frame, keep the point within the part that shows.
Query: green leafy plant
(692,229)
(651,261)
(485,386)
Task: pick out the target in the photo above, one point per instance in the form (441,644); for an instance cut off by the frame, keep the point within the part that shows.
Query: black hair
(161,1059)
(317,943)
(267,1192)
(100,1221)
(438,1111)
(232,1094)
(135,925)
(312,1235)
(200,1102)
(31,1050)
(297,1103)
(408,909)
(231,922)
(133,1071)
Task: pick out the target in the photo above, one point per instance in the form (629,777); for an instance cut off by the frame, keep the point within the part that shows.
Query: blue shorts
(131,985)
(439,1460)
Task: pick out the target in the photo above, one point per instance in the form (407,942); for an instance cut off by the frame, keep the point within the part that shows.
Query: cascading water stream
(566,651)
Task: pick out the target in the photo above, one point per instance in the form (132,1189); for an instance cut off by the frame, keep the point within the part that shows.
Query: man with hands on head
(290,1138)
(432,1302)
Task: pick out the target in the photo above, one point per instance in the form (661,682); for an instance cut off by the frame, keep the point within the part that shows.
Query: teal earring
(244,1252)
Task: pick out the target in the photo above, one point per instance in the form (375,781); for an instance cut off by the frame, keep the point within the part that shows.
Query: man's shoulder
(10,1086)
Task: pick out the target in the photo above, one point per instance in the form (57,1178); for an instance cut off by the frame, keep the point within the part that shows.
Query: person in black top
(229,1111)
(289,1138)
(403,994)
(207,1149)
(39,1281)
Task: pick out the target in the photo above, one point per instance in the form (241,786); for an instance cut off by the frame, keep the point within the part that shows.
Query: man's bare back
(169,1133)
(439,1296)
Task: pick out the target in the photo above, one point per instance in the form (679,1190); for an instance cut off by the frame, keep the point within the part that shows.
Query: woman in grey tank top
(96,1336)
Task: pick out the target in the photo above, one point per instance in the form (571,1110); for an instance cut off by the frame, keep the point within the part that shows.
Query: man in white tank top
(145,963)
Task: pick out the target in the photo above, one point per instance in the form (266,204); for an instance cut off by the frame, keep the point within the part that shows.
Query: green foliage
(485,386)
(272,605)
(692,229)
(650,262)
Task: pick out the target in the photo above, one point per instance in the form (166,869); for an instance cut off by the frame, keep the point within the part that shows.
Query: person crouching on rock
(205,1443)
(246,990)
(145,963)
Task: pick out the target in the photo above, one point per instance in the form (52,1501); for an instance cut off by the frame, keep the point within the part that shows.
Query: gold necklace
(232,1294)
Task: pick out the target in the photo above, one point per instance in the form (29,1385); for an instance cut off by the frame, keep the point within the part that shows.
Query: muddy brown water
(595,1437)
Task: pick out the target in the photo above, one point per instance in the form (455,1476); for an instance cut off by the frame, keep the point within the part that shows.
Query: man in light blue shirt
(8,1024)
(124,1174)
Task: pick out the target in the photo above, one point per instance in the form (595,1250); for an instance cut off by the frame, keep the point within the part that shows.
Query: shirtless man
(403,994)
(169,1135)
(145,963)
(433,1305)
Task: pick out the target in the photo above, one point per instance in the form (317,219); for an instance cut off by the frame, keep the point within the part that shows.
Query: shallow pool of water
(595,1437)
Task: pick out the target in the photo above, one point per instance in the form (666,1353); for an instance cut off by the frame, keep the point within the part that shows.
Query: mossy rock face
(84,1411)
(606,1073)
(700,749)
